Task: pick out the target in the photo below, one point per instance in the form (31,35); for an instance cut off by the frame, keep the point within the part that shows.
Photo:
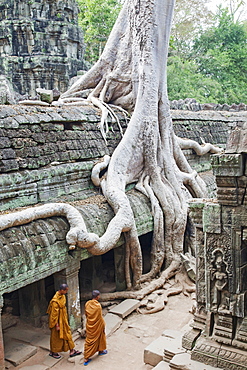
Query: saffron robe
(60,340)
(95,329)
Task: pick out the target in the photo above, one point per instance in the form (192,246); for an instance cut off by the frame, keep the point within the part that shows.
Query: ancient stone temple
(47,154)
(41,44)
(219,334)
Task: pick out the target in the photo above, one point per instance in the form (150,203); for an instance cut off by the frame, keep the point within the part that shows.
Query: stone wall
(219,333)
(47,153)
(41,44)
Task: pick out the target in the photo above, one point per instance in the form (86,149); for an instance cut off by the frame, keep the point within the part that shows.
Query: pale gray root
(158,244)
(183,284)
(199,149)
(143,291)
(111,77)
(194,303)
(98,167)
(33,102)
(162,300)
(189,263)
(77,233)
(182,280)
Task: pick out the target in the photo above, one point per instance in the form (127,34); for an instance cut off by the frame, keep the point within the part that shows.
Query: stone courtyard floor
(125,346)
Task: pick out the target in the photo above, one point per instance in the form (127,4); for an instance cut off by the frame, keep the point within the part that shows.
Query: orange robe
(60,340)
(95,329)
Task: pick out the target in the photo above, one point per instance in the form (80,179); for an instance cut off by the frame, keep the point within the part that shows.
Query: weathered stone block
(232,359)
(189,338)
(230,196)
(125,308)
(16,352)
(184,362)
(35,367)
(226,182)
(113,322)
(154,352)
(206,351)
(228,165)
(237,141)
(196,211)
(212,218)
(162,365)
(45,95)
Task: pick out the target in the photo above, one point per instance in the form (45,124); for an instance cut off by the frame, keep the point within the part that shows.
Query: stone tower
(41,44)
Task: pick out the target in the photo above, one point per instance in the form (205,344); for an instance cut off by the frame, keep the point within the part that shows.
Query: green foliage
(221,53)
(184,81)
(190,17)
(97,18)
(207,59)
(216,68)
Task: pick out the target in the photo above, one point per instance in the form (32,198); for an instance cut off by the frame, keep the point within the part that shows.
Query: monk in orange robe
(61,338)
(95,328)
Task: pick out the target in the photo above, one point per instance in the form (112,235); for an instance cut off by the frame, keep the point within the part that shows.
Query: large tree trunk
(131,73)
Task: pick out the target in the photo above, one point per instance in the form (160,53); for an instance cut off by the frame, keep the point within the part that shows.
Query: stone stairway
(166,353)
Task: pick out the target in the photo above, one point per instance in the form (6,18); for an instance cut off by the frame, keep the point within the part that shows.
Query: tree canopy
(214,69)
(221,54)
(207,55)
(97,18)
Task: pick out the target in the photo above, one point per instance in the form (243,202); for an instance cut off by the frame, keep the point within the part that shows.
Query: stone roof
(39,249)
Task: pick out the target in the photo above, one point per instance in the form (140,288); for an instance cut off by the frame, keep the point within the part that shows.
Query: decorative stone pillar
(200,315)
(2,366)
(69,276)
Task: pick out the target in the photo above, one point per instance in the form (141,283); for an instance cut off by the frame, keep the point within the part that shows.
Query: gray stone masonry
(20,344)
(46,240)
(218,337)
(47,153)
(183,362)
(154,352)
(41,44)
(125,308)
(25,335)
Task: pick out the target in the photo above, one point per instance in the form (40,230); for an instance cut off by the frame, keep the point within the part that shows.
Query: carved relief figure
(219,283)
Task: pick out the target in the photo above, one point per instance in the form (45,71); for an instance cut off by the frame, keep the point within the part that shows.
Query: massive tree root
(131,73)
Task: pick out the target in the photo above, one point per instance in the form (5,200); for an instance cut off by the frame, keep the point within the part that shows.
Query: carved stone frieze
(200,271)
(189,339)
(219,292)
(223,328)
(240,340)
(206,351)
(219,276)
(225,357)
